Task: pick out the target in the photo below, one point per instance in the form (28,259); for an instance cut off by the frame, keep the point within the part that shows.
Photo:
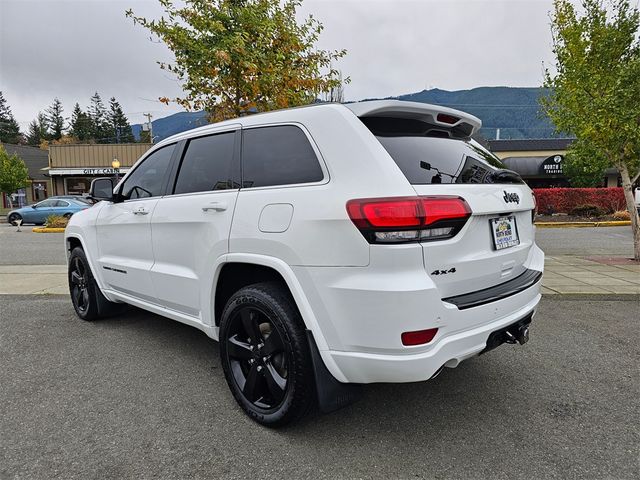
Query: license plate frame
(504,231)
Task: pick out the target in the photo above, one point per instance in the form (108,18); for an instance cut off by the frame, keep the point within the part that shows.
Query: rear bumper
(449,352)
(362,312)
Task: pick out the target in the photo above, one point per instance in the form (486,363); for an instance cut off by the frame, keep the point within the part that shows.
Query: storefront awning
(540,167)
(88,172)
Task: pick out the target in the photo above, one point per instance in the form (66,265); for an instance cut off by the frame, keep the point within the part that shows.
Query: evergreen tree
(119,123)
(97,113)
(80,126)
(9,129)
(55,119)
(38,130)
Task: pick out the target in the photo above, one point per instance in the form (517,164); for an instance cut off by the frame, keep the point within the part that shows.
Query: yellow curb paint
(48,230)
(622,223)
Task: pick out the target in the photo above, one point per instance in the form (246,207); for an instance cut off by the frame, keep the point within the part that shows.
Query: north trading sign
(552,165)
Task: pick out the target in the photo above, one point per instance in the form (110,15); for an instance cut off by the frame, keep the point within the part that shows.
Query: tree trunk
(631,207)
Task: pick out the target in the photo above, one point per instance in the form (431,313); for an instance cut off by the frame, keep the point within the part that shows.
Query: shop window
(77,185)
(39,191)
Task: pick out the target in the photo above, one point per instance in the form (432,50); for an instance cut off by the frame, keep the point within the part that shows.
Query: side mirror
(101,189)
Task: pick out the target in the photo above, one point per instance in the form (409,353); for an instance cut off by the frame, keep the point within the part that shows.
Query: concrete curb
(47,230)
(622,223)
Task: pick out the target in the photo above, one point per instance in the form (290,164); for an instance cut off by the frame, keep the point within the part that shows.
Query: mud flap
(332,394)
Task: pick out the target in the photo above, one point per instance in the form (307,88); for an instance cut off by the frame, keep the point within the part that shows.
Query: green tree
(239,56)
(9,129)
(38,130)
(80,125)
(119,123)
(595,88)
(13,173)
(55,120)
(99,125)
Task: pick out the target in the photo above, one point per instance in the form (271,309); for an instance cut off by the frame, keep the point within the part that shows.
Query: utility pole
(149,117)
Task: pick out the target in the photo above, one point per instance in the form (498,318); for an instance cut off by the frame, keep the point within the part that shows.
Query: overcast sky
(69,49)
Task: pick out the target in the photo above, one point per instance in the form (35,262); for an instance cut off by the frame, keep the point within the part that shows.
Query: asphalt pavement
(141,396)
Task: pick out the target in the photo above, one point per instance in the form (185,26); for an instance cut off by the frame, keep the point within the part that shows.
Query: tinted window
(429,154)
(207,164)
(46,204)
(61,203)
(278,155)
(147,180)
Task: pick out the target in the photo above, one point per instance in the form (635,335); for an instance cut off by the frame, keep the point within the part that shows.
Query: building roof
(34,158)
(542,144)
(84,155)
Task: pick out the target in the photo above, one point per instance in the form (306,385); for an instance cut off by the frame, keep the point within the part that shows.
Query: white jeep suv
(323,247)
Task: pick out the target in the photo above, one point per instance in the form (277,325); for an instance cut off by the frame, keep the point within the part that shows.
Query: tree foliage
(38,130)
(80,125)
(13,173)
(240,56)
(9,128)
(595,88)
(55,120)
(98,120)
(119,124)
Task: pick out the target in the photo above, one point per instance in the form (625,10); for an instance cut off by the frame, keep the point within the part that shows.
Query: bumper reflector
(418,337)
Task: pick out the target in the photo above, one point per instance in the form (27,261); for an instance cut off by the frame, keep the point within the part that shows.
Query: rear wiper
(504,176)
(437,178)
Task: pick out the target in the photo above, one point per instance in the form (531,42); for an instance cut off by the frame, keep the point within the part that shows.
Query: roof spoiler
(456,123)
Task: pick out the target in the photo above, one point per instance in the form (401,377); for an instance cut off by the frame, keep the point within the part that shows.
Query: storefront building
(72,167)
(540,162)
(39,186)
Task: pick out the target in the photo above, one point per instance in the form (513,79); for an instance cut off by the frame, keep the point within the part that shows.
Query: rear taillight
(408,219)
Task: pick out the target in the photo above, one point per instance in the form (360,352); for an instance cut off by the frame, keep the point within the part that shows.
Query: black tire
(88,301)
(67,215)
(12,219)
(271,377)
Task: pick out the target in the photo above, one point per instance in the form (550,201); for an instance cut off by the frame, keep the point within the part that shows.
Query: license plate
(505,232)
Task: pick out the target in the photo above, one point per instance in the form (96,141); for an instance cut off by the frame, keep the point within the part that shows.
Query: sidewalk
(563,275)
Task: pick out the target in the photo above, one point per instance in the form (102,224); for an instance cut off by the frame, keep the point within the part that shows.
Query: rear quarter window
(278,155)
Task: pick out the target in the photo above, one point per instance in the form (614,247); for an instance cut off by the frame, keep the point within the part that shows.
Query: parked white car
(323,246)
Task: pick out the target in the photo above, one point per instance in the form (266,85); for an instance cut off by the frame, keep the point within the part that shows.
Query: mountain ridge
(507,112)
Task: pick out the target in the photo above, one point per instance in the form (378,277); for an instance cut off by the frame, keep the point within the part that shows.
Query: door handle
(140,211)
(216,206)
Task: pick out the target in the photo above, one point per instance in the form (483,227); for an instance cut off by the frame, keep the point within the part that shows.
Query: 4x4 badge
(511,197)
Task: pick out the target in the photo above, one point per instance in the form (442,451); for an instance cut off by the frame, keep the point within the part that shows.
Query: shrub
(587,211)
(564,200)
(56,221)
(621,215)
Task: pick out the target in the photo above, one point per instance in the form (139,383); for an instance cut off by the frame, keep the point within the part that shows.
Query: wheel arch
(281,271)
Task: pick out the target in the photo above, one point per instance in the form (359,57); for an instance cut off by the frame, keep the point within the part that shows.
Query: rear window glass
(428,156)
(279,155)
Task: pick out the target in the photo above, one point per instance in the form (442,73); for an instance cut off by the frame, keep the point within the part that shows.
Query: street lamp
(115,163)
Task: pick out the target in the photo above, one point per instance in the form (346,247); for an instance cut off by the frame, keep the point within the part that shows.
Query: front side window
(61,203)
(279,155)
(207,164)
(147,180)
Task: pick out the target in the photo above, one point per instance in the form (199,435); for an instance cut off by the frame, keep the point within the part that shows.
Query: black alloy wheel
(265,354)
(257,356)
(88,301)
(13,218)
(79,285)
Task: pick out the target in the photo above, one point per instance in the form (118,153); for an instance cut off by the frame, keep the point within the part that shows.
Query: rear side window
(207,164)
(427,156)
(279,155)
